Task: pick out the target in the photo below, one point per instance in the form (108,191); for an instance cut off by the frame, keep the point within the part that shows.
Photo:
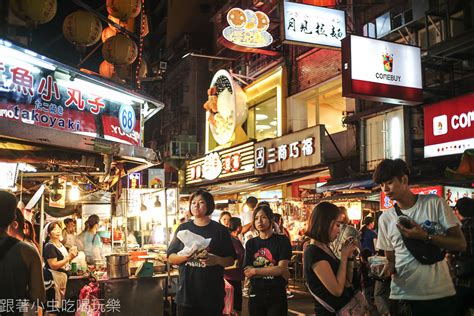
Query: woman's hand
(211,260)
(72,254)
(348,248)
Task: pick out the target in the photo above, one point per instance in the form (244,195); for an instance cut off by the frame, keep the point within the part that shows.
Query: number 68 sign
(127,118)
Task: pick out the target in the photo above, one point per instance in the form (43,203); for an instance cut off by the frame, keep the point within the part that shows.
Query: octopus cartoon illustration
(263,258)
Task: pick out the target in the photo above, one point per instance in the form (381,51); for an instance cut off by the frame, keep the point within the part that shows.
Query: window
(384,136)
(321,105)
(262,119)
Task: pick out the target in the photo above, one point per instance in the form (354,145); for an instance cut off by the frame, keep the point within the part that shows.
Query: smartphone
(405,221)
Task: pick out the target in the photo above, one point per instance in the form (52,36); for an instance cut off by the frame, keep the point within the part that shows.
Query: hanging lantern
(124,9)
(143,70)
(117,21)
(34,11)
(106,69)
(107,33)
(120,50)
(82,28)
(127,72)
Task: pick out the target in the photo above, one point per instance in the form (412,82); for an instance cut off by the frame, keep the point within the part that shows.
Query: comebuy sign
(381,71)
(449,126)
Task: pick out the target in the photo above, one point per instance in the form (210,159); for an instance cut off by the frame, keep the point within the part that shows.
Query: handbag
(464,267)
(228,299)
(424,252)
(357,306)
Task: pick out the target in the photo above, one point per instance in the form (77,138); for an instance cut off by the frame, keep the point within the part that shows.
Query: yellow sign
(247,28)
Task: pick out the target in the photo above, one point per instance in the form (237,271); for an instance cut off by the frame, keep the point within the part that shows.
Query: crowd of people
(254,257)
(31,281)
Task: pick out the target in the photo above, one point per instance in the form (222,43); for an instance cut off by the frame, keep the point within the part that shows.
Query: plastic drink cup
(74,267)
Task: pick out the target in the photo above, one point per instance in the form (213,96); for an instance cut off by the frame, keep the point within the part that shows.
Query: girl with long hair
(266,264)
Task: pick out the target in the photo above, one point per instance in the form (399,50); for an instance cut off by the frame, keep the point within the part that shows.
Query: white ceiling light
(261,117)
(263,126)
(273,123)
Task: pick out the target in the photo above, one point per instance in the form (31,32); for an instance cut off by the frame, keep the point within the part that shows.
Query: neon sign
(247,28)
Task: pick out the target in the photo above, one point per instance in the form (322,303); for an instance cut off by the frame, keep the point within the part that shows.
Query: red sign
(386,203)
(449,126)
(32,92)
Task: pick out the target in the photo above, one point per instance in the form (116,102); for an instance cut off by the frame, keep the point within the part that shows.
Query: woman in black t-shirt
(266,264)
(56,264)
(325,274)
(201,280)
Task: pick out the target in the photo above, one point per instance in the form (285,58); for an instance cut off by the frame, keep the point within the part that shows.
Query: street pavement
(301,304)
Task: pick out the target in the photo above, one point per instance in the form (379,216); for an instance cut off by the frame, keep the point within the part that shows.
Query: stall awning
(254,184)
(346,185)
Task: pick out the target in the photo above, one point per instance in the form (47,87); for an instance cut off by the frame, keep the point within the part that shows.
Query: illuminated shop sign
(381,71)
(313,26)
(386,202)
(453,194)
(449,126)
(247,28)
(290,152)
(35,91)
(235,161)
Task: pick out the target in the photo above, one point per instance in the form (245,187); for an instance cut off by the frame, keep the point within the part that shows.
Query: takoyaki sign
(231,162)
(247,28)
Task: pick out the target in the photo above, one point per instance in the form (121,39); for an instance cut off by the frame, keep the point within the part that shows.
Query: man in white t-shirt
(428,289)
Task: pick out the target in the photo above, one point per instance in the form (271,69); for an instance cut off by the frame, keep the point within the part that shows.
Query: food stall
(77,137)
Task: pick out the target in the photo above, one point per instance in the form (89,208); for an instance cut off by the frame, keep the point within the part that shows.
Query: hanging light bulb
(74,193)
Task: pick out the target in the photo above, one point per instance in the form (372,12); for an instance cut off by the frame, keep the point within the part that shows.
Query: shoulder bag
(425,253)
(357,306)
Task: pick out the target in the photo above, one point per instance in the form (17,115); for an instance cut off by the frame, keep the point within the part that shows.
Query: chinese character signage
(34,90)
(290,152)
(449,126)
(453,194)
(228,163)
(386,203)
(381,71)
(313,26)
(247,28)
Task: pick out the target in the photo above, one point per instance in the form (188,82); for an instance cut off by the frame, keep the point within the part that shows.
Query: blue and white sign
(127,118)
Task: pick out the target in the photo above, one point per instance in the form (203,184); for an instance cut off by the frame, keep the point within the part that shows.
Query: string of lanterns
(84,29)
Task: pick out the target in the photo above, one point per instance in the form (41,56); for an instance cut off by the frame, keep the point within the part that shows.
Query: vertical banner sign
(37,91)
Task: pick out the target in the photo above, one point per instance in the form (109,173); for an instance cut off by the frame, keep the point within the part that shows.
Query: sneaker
(289,295)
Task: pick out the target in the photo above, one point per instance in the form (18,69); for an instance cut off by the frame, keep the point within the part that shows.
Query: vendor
(92,244)
(69,233)
(56,265)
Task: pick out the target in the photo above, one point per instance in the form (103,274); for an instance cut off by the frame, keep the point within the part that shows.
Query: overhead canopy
(254,184)
(346,185)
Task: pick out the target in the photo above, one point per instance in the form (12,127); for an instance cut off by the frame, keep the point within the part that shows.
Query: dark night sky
(48,39)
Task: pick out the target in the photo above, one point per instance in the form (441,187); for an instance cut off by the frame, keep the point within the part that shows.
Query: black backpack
(425,253)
